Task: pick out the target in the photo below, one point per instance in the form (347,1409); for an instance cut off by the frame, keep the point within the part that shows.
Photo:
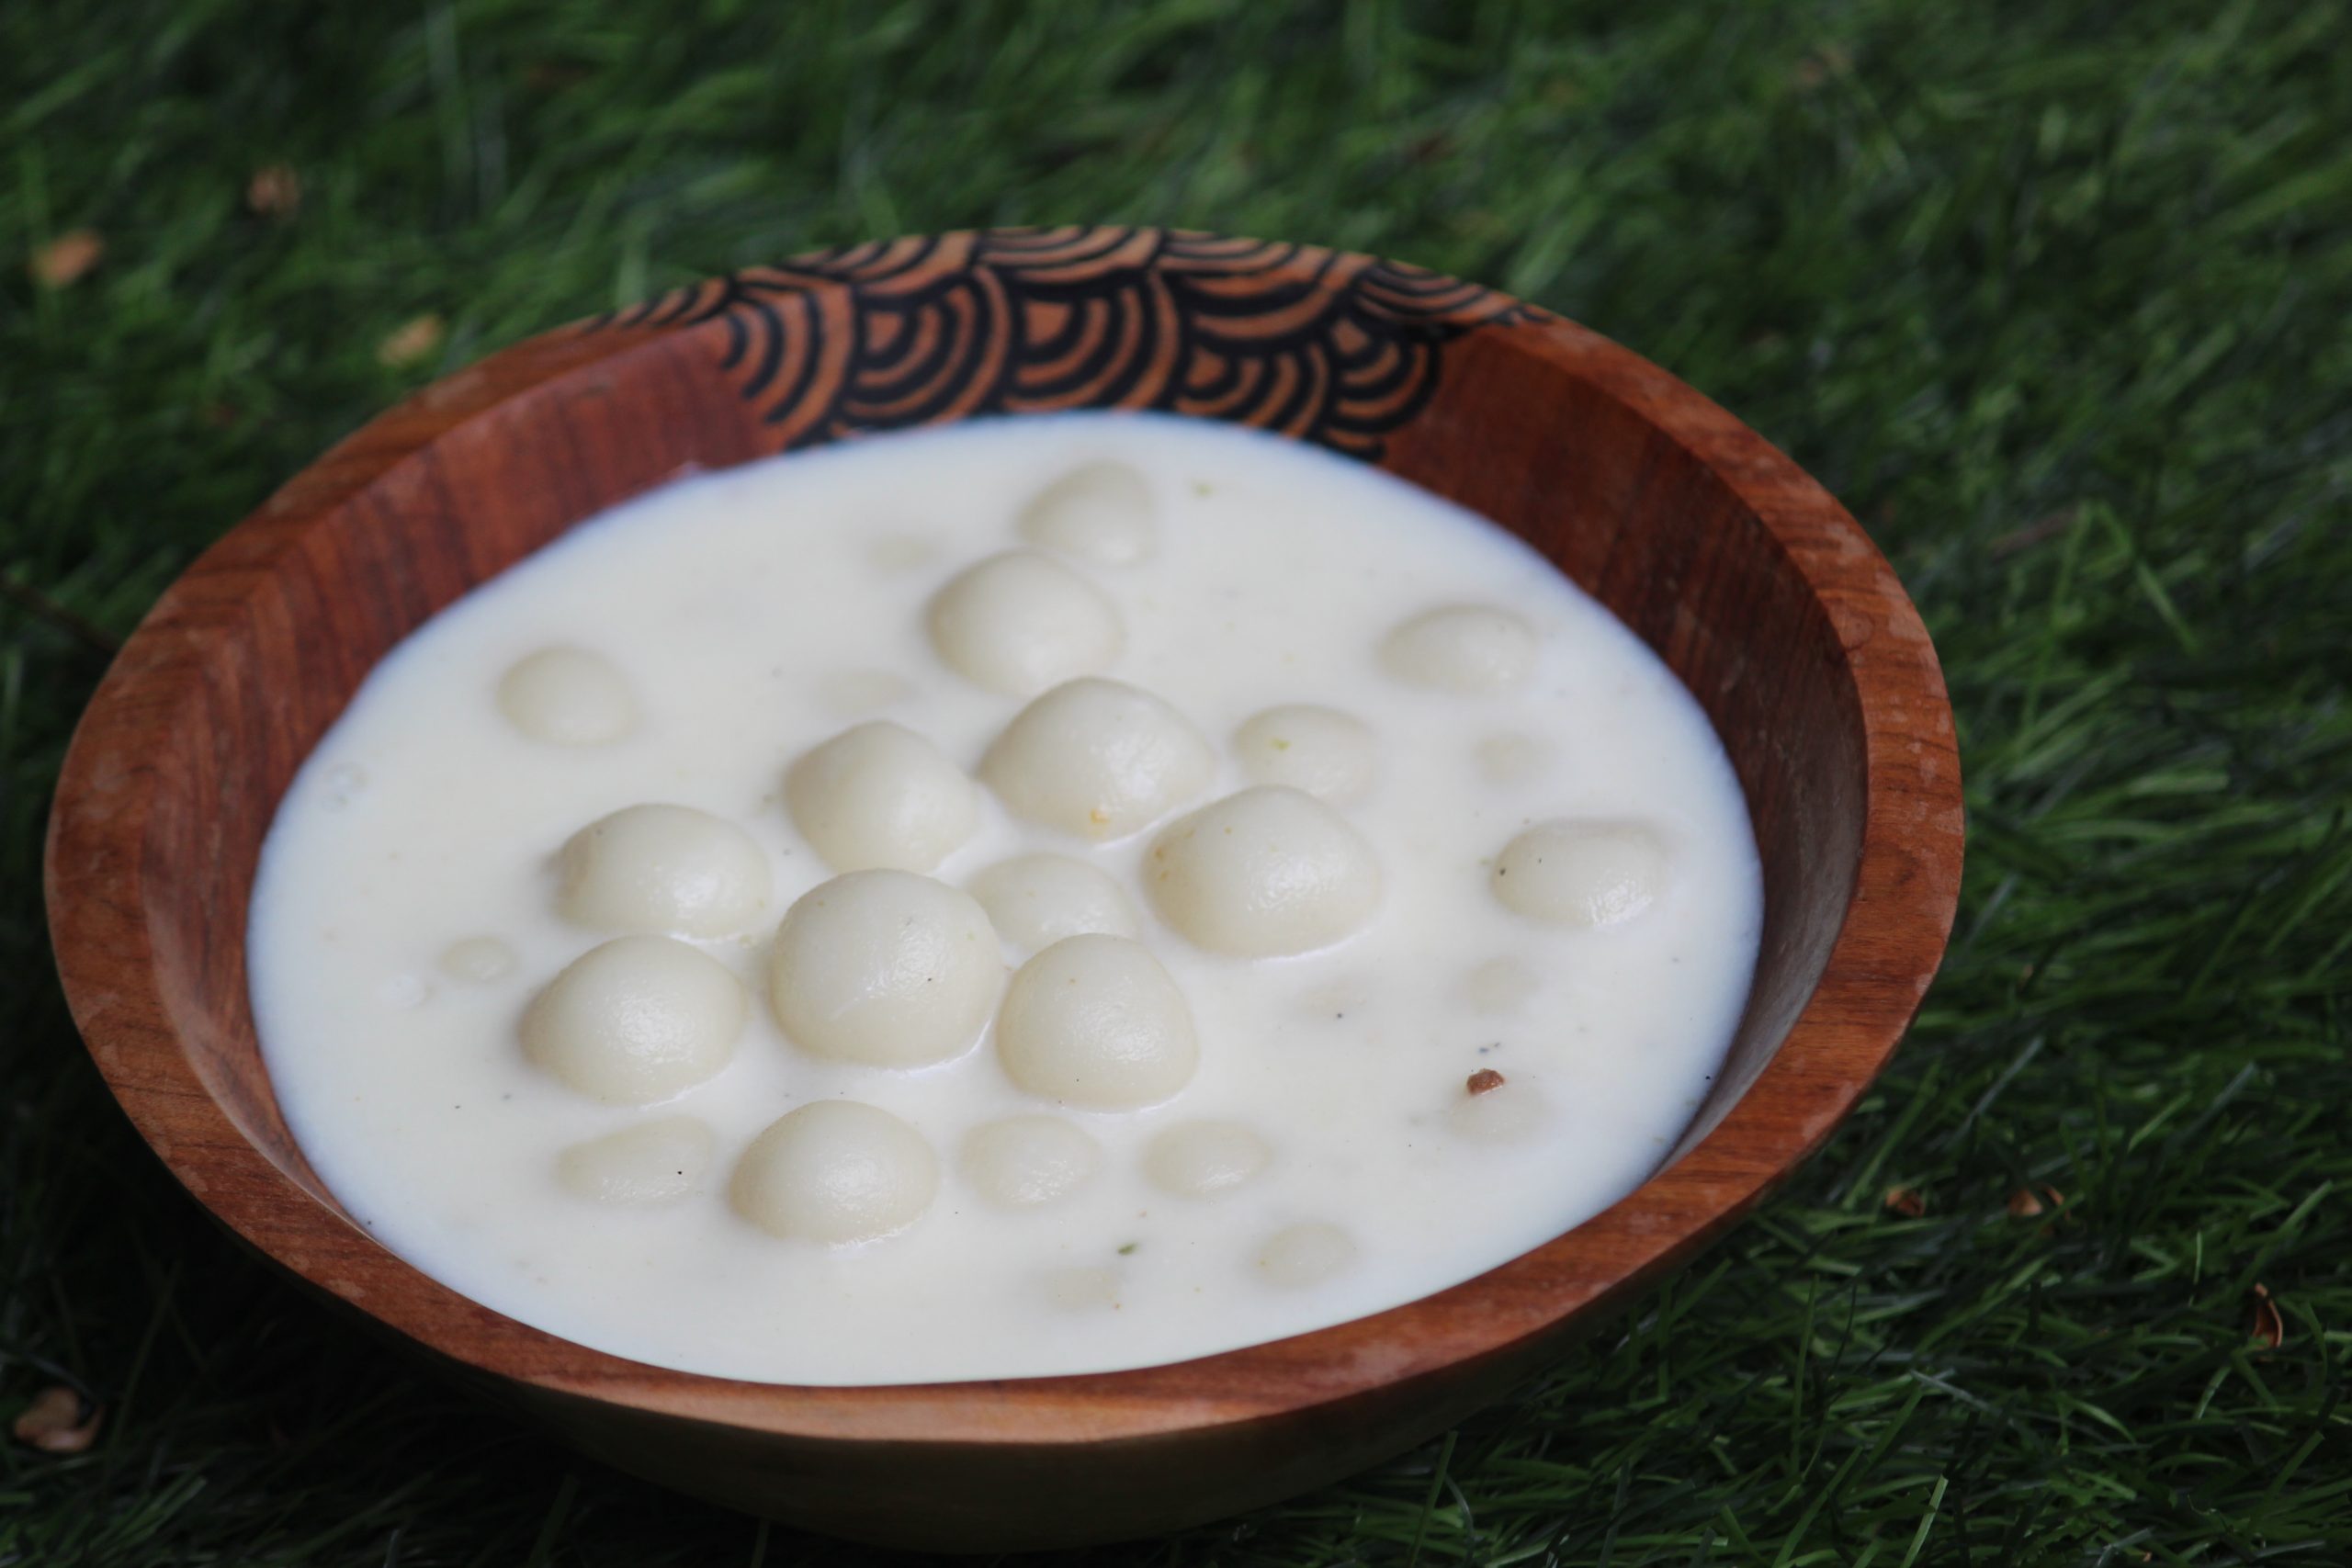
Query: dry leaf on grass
(275,191)
(553,77)
(58,1421)
(2025,538)
(411,341)
(66,259)
(1830,60)
(2267,1327)
(1906,1202)
(2028,1201)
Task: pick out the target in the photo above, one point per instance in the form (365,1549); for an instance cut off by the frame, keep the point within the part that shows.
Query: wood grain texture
(1753,583)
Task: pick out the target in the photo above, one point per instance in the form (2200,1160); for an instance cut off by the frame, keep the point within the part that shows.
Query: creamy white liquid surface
(754,614)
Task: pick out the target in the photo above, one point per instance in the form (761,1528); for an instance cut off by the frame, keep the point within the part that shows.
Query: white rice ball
(1034,901)
(1330,754)
(1470,648)
(1268,871)
(1020,1162)
(1576,872)
(1020,621)
(1494,1108)
(568,697)
(1200,1159)
(1308,1254)
(1102,513)
(880,795)
(652,1162)
(637,1019)
(663,868)
(884,969)
(1095,1022)
(1098,759)
(477,959)
(836,1170)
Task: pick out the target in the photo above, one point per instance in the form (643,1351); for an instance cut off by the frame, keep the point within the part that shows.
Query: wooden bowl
(1753,584)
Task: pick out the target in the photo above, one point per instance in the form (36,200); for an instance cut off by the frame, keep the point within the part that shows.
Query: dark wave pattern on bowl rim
(1321,345)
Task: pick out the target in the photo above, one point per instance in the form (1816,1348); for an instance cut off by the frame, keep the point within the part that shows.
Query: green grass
(2057,296)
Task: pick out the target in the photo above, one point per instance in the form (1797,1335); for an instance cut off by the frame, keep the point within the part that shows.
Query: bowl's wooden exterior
(1759,589)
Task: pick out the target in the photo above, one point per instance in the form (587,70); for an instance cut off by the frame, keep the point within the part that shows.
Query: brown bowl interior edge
(1754,585)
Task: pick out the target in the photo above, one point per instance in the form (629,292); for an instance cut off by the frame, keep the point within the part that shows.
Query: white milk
(405,913)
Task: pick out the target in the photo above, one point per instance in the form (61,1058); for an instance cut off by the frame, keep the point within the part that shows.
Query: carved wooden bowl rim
(1884,954)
